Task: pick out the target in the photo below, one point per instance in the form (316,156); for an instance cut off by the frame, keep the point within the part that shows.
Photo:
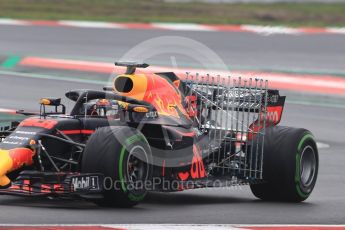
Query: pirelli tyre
(123,155)
(290,165)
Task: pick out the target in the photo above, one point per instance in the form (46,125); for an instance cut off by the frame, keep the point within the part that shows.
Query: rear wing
(229,95)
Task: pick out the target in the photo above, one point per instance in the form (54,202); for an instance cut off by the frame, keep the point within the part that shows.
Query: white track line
(91,24)
(181,26)
(180,226)
(269,30)
(8,21)
(173,227)
(336,30)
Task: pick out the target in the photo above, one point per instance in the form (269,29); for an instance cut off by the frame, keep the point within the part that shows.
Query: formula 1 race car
(158,132)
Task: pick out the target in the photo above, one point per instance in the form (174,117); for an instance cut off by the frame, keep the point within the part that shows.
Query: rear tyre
(290,165)
(123,156)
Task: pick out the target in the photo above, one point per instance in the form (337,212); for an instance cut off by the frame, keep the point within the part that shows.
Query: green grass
(292,14)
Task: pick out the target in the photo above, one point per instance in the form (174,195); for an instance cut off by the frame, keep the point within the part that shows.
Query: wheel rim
(137,165)
(307,166)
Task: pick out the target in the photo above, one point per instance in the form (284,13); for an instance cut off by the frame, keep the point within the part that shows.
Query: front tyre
(123,156)
(290,165)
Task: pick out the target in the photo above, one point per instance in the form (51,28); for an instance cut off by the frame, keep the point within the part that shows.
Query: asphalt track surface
(206,206)
(322,52)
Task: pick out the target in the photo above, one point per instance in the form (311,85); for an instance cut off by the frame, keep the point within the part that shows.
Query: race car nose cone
(6,164)
(11,160)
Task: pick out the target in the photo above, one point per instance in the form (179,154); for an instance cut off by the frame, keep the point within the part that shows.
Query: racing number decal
(197,169)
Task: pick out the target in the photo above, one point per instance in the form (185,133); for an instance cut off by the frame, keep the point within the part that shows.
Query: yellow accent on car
(177,83)
(32,142)
(140,109)
(4,180)
(45,101)
(124,105)
(6,163)
(139,86)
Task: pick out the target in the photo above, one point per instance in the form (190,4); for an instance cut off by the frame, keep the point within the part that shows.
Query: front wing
(58,184)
